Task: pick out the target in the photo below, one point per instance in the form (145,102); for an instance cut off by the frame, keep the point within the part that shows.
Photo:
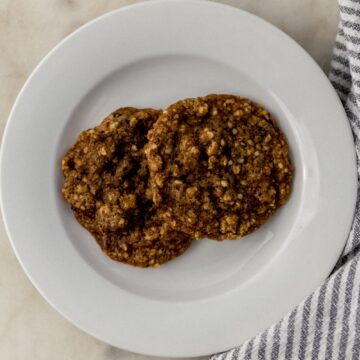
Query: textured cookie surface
(106,184)
(219,166)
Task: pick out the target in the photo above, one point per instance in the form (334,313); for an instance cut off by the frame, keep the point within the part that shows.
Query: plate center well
(208,268)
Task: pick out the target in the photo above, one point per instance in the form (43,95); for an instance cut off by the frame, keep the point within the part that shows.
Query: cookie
(140,246)
(219,166)
(106,183)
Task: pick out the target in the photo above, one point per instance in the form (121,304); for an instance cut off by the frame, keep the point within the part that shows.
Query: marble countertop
(29,327)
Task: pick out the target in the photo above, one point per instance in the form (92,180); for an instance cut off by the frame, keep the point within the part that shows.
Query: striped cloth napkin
(326,325)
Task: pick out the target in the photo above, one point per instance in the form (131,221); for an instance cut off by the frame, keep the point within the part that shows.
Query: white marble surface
(29,327)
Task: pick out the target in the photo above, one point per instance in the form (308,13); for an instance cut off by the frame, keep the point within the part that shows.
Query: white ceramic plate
(217,294)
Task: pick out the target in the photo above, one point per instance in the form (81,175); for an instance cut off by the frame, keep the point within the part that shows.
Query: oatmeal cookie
(139,246)
(219,166)
(106,184)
